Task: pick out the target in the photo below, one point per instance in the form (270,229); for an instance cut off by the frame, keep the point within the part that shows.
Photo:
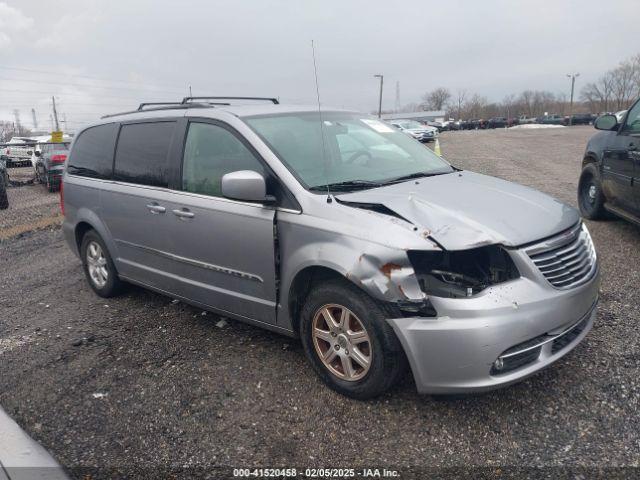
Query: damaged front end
(410,281)
(462,273)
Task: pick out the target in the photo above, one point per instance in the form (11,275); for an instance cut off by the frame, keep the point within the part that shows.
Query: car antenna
(324,153)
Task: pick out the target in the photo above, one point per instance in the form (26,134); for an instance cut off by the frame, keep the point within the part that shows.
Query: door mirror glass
(245,185)
(606,122)
(37,152)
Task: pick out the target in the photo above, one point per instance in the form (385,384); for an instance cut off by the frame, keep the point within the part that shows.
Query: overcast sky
(99,56)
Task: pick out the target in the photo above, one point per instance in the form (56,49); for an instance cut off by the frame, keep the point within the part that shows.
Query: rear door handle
(183,213)
(155,208)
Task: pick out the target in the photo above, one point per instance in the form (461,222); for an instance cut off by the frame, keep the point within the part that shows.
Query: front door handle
(155,208)
(183,213)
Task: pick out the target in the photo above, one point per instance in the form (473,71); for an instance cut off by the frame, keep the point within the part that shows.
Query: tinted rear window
(142,153)
(92,154)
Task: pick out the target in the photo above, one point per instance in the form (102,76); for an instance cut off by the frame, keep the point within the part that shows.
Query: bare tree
(623,84)
(508,103)
(436,99)
(10,129)
(616,89)
(460,96)
(475,106)
(526,99)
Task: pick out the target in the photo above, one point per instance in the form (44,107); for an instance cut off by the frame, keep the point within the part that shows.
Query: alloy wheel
(592,191)
(342,342)
(97,264)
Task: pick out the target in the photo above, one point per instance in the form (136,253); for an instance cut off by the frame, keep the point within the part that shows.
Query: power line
(142,88)
(4,67)
(67,94)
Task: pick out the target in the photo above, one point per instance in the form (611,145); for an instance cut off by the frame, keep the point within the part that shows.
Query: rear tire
(4,198)
(345,342)
(45,178)
(590,196)
(98,266)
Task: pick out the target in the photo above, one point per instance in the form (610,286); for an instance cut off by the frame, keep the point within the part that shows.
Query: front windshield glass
(411,124)
(357,148)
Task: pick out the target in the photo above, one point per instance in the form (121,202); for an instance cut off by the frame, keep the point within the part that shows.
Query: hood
(464,210)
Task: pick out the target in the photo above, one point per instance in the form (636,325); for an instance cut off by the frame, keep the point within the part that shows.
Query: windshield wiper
(413,175)
(347,185)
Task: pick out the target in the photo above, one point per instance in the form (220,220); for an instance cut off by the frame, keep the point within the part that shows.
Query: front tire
(348,341)
(590,196)
(98,266)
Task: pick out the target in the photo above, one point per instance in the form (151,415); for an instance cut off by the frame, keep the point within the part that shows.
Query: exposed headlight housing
(462,273)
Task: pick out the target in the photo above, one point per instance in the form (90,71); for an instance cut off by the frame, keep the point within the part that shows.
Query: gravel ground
(140,382)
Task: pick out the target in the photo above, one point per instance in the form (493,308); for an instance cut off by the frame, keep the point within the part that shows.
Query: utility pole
(381,77)
(190,94)
(35,121)
(398,97)
(55,114)
(572,76)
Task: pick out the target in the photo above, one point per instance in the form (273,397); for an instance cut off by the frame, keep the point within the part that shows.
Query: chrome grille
(567,259)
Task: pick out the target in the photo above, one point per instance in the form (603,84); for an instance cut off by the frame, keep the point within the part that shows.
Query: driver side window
(210,153)
(632,124)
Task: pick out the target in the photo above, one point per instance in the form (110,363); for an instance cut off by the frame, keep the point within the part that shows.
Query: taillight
(58,158)
(62,195)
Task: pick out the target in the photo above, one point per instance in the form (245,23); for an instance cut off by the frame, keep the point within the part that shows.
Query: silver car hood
(463,210)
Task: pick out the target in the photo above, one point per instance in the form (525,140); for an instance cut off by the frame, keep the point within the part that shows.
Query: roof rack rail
(162,106)
(156,104)
(188,102)
(266,99)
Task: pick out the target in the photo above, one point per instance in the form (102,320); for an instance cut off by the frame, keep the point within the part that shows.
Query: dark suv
(611,168)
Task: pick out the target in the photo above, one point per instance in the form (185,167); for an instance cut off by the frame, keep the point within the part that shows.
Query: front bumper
(427,137)
(455,352)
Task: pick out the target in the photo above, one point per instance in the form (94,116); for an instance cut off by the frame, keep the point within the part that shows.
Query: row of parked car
(503,122)
(46,158)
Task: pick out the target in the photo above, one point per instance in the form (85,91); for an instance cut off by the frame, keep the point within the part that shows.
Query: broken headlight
(462,273)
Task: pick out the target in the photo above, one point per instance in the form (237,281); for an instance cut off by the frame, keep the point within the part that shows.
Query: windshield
(411,124)
(357,148)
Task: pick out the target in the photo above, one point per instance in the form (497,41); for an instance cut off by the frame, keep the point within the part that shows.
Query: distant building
(432,116)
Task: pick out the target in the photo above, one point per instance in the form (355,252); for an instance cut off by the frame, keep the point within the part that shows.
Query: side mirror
(606,122)
(246,185)
(38,153)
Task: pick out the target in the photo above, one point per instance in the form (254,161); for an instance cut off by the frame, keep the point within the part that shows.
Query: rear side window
(142,154)
(92,154)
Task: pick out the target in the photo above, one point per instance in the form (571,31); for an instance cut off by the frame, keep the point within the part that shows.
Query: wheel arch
(591,158)
(85,220)
(301,286)
(80,231)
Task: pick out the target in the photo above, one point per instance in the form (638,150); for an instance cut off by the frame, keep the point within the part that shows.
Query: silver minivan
(335,227)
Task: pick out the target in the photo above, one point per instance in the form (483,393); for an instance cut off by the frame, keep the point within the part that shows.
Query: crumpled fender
(382,271)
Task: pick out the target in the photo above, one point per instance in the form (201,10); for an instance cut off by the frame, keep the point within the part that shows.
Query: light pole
(381,77)
(572,76)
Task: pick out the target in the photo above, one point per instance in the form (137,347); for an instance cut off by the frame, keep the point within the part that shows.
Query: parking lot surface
(139,382)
